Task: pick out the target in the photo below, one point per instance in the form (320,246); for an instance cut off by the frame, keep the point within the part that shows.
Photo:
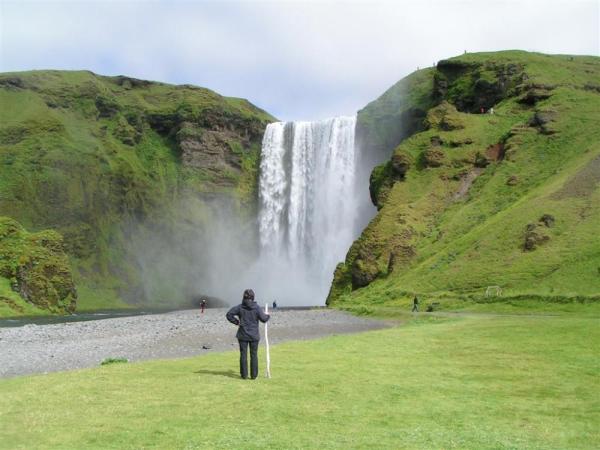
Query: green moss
(460,224)
(36,268)
(88,156)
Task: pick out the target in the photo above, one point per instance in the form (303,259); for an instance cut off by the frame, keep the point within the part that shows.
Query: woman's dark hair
(248,294)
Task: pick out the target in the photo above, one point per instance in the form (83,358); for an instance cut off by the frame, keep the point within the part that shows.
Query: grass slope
(88,156)
(480,382)
(461,202)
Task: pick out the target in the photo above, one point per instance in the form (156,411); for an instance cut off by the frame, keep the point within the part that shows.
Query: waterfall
(308,206)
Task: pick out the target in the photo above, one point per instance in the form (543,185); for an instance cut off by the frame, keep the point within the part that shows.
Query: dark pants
(415,307)
(244,358)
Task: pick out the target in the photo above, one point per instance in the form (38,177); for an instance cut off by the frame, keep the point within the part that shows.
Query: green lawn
(474,381)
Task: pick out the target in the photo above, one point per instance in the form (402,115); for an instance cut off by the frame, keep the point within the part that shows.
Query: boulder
(534,237)
(547,220)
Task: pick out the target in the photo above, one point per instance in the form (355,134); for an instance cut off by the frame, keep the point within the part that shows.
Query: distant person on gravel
(415,304)
(202,306)
(246,316)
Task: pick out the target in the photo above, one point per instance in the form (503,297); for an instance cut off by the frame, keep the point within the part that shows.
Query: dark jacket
(247,316)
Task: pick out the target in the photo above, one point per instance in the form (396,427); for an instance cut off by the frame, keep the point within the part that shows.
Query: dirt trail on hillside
(32,349)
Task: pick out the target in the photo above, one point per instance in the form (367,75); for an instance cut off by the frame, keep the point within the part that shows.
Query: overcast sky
(297,60)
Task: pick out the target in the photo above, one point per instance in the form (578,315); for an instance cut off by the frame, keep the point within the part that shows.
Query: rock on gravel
(34,349)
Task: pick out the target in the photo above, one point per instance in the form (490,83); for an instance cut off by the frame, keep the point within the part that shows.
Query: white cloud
(297,60)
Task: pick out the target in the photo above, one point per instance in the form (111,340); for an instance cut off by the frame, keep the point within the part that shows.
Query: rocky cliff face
(489,143)
(92,157)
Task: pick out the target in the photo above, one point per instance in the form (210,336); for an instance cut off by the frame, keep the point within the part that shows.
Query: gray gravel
(34,349)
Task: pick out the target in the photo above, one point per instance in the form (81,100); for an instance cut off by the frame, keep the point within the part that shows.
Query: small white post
(267,343)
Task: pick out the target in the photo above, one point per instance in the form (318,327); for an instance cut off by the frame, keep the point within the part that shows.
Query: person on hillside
(202,305)
(274,304)
(415,307)
(246,317)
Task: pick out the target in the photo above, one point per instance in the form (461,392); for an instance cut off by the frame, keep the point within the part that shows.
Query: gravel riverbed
(32,349)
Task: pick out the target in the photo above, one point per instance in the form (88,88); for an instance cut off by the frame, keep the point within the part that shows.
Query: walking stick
(267,343)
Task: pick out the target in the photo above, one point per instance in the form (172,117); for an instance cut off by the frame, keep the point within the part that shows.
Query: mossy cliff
(88,156)
(509,197)
(34,270)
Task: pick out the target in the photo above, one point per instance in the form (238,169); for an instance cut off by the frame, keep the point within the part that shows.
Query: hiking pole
(267,343)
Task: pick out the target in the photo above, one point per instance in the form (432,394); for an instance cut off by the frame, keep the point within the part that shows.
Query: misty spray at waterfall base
(313,202)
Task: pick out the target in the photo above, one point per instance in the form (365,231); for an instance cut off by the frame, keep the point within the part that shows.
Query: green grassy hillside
(92,157)
(471,200)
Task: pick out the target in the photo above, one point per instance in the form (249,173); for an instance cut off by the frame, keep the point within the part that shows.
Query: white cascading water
(308,207)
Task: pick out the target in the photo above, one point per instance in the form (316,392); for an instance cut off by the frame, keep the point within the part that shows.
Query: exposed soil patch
(583,183)
(495,152)
(466,182)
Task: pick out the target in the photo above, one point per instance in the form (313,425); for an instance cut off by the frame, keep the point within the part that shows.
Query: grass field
(479,381)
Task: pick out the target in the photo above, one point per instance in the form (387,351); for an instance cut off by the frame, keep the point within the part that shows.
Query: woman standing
(246,316)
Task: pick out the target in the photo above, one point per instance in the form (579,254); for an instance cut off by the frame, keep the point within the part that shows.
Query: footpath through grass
(474,381)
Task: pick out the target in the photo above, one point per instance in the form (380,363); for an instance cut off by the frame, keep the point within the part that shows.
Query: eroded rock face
(211,150)
(535,93)
(471,86)
(363,271)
